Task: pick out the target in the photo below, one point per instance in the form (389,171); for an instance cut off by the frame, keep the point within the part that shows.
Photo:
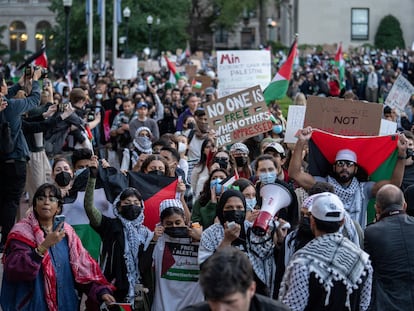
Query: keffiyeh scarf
(85,269)
(352,197)
(135,234)
(331,257)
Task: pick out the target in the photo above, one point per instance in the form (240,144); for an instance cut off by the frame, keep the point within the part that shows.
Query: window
(360,24)
(43,28)
(222,35)
(18,36)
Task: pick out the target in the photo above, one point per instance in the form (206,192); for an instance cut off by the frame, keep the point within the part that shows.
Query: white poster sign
(400,93)
(239,70)
(295,120)
(126,68)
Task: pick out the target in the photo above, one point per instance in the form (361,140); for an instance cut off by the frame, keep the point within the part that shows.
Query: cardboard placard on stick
(343,117)
(239,116)
(203,82)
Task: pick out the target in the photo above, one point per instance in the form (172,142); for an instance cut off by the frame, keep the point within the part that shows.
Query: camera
(124,120)
(90,116)
(28,72)
(62,107)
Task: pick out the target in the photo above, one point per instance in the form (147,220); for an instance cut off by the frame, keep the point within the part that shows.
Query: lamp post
(158,22)
(67,4)
(150,20)
(270,24)
(127,14)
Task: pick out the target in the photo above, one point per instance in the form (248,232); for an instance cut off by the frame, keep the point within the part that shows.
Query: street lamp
(150,20)
(158,22)
(67,4)
(127,14)
(270,24)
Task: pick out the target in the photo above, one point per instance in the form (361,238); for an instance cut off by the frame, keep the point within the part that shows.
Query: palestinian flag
(42,59)
(279,85)
(109,182)
(120,307)
(340,65)
(377,155)
(153,189)
(196,84)
(174,75)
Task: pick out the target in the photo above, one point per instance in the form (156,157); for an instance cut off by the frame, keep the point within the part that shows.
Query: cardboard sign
(126,68)
(204,80)
(191,70)
(238,116)
(238,70)
(152,66)
(400,93)
(295,119)
(343,117)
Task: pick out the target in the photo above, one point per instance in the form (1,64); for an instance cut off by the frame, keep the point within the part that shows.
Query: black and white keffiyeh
(331,257)
(352,197)
(135,234)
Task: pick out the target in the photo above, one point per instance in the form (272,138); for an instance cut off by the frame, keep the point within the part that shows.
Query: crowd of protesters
(62,125)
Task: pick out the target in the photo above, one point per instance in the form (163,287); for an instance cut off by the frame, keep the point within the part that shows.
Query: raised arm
(296,172)
(398,172)
(94,215)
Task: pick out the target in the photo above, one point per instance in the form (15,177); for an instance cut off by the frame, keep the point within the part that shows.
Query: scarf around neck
(352,197)
(331,257)
(84,268)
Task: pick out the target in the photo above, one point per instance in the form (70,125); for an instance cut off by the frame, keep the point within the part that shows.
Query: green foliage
(228,12)
(389,34)
(169,34)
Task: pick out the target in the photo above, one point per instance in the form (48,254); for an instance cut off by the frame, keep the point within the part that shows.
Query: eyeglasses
(221,159)
(342,163)
(43,198)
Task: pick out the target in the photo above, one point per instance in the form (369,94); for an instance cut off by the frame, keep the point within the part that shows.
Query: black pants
(12,182)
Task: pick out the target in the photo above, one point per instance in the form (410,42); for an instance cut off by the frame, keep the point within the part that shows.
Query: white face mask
(182,147)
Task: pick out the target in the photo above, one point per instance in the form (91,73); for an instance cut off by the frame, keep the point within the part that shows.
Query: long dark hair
(205,195)
(203,157)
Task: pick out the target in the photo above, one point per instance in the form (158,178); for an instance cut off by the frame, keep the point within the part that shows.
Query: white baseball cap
(327,206)
(347,155)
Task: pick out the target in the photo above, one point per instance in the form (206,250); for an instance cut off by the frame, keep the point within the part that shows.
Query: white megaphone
(274,198)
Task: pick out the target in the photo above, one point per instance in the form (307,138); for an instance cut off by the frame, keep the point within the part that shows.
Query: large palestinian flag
(73,207)
(153,189)
(377,155)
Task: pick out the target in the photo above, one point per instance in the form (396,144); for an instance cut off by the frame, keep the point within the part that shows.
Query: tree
(170,32)
(389,34)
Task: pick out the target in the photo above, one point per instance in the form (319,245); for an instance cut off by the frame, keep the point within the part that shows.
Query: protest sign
(238,70)
(343,117)
(199,83)
(238,116)
(400,94)
(151,66)
(295,119)
(126,68)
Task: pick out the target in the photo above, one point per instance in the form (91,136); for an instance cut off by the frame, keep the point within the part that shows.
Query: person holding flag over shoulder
(345,164)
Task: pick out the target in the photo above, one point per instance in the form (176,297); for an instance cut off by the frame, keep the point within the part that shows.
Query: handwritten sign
(239,116)
(343,117)
(238,70)
(295,119)
(126,68)
(204,82)
(400,93)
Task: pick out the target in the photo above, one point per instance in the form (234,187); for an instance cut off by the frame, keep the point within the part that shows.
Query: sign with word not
(239,116)
(239,70)
(343,117)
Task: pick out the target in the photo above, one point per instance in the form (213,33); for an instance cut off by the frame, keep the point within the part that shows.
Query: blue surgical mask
(98,96)
(80,171)
(216,185)
(250,204)
(277,129)
(267,178)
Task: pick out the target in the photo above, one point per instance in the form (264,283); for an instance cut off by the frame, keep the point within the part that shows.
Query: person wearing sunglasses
(355,194)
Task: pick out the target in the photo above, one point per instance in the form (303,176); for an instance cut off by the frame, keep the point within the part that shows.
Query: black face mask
(157,172)
(240,161)
(130,212)
(63,179)
(222,163)
(177,232)
(236,216)
(190,125)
